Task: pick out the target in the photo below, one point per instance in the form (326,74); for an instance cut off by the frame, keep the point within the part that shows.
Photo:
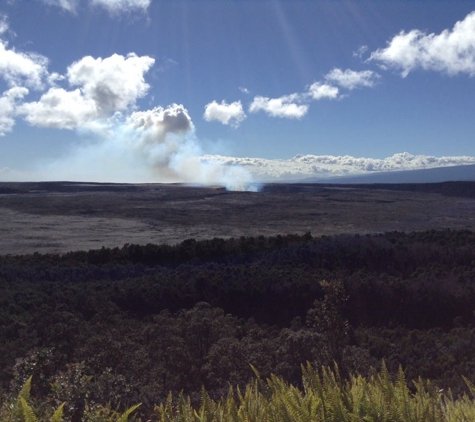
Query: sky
(233,92)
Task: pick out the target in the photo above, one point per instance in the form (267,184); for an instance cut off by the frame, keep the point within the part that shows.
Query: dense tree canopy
(131,324)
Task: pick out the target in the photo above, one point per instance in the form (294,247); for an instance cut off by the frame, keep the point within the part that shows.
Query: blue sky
(142,90)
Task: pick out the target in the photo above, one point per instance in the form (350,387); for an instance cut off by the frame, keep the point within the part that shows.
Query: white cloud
(3,24)
(114,83)
(7,108)
(324,166)
(320,91)
(293,106)
(360,51)
(54,78)
(60,109)
(287,106)
(166,64)
(351,79)
(112,6)
(69,5)
(228,114)
(120,6)
(18,68)
(105,86)
(451,51)
(244,90)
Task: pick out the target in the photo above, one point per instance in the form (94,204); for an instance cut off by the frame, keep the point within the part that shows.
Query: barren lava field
(57,217)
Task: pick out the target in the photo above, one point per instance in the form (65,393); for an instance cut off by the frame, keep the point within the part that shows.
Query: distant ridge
(435,175)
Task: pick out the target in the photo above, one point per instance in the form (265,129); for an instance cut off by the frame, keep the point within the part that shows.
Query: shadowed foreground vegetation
(135,324)
(324,397)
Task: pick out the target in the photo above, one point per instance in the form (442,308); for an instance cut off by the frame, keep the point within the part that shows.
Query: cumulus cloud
(7,108)
(105,86)
(302,166)
(288,106)
(20,68)
(228,114)
(351,79)
(60,109)
(451,51)
(294,106)
(319,91)
(113,83)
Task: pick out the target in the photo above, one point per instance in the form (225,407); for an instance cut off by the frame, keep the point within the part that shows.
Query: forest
(137,323)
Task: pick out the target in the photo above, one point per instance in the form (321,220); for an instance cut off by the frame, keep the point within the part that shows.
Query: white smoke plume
(157,145)
(165,138)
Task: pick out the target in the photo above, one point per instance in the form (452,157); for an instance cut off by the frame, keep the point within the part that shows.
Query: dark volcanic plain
(57,217)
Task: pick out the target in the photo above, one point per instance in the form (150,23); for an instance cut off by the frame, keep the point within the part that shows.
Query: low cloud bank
(325,166)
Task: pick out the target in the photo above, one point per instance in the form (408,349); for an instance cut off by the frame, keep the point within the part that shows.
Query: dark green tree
(326,317)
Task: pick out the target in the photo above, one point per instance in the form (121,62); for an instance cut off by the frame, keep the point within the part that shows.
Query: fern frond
(256,372)
(403,403)
(125,416)
(25,390)
(470,386)
(27,410)
(58,414)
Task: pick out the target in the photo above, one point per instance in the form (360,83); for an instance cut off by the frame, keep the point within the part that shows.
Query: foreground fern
(326,397)
(20,410)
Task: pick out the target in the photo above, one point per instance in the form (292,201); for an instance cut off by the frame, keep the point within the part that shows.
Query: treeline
(129,325)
